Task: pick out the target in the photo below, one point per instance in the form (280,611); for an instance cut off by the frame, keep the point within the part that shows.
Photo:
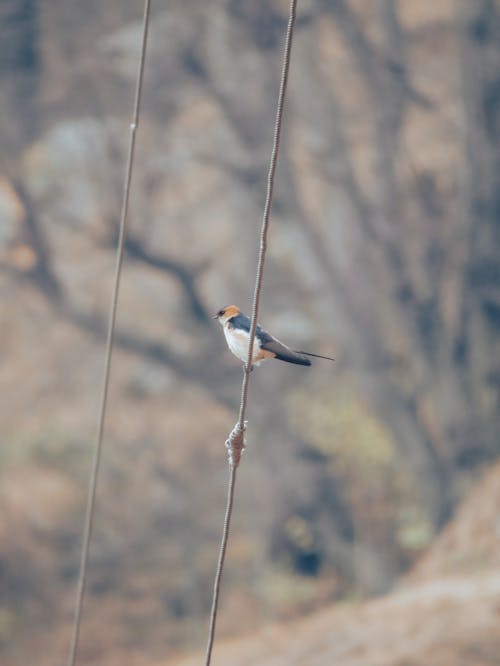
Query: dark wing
(283,353)
(267,342)
(240,321)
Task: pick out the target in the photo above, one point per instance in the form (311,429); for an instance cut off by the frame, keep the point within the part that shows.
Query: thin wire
(267,210)
(220,563)
(87,534)
(235,442)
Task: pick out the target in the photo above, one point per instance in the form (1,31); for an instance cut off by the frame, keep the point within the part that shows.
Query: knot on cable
(235,444)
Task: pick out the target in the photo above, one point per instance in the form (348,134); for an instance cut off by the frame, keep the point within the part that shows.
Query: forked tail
(304,353)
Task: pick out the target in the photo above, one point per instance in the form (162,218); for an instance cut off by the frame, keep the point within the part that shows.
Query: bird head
(226,313)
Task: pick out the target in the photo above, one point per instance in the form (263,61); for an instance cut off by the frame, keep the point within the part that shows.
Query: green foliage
(287,590)
(8,623)
(337,423)
(50,446)
(361,453)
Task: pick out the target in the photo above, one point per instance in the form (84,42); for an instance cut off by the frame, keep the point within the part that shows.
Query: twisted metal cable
(267,209)
(89,514)
(236,441)
(220,563)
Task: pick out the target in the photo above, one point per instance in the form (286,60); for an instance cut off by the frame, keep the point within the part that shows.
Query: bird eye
(220,313)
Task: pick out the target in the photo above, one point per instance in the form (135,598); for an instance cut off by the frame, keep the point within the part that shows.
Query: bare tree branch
(42,273)
(137,251)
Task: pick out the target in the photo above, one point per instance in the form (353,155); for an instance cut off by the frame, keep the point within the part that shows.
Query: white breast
(237,341)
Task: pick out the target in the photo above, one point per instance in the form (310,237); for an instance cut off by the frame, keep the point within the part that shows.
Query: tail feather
(327,358)
(292,357)
(282,352)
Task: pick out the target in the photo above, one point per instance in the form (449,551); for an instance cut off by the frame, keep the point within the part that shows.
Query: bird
(236,326)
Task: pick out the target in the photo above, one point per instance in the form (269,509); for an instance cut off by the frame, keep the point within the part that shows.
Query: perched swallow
(236,327)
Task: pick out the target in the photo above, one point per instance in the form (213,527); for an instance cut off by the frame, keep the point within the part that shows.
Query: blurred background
(384,252)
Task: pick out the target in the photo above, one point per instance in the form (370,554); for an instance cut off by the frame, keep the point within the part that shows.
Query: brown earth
(358,491)
(450,622)
(445,613)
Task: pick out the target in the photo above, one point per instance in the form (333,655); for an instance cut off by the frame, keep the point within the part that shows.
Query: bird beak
(215,316)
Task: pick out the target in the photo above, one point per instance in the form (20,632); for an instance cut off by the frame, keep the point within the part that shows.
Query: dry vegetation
(445,613)
(384,251)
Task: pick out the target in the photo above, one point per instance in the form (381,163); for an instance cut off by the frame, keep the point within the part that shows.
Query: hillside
(443,623)
(383,252)
(445,613)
